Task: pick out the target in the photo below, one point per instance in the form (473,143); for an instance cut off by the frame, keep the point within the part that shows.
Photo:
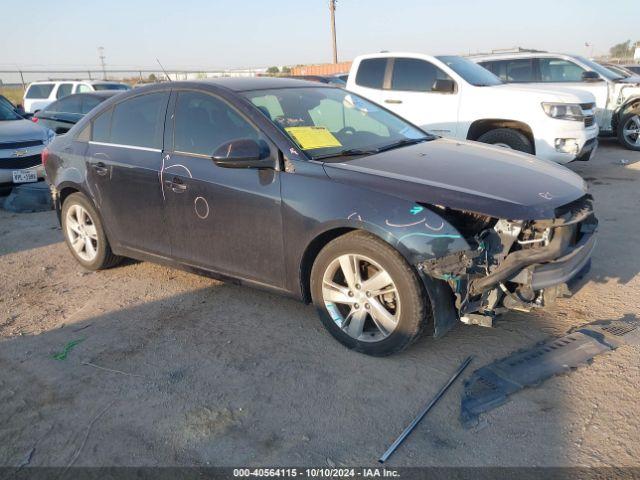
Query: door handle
(390,100)
(176,185)
(100,168)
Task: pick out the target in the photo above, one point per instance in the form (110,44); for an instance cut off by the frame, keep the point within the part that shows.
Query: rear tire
(509,138)
(84,234)
(381,307)
(629,131)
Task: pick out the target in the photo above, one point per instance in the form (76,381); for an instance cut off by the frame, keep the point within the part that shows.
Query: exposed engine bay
(515,264)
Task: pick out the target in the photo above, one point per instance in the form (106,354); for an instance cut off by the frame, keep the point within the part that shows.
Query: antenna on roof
(163,70)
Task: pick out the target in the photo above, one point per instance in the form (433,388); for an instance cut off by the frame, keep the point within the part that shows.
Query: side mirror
(243,153)
(444,85)
(589,76)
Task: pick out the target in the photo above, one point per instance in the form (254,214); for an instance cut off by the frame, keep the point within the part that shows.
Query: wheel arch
(331,232)
(442,300)
(632,104)
(482,126)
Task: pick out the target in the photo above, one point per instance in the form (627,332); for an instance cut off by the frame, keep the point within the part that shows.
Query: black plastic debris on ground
(490,385)
(29,197)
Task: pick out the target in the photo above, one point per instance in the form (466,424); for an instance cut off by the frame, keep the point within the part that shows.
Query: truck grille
(589,121)
(24,144)
(20,162)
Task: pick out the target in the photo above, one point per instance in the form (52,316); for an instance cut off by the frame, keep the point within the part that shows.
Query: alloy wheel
(361,297)
(631,130)
(81,233)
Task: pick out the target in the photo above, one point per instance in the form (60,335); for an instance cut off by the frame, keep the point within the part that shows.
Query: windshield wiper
(350,152)
(402,143)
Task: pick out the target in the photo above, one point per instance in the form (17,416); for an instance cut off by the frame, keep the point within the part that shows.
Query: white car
(453,97)
(40,94)
(617,97)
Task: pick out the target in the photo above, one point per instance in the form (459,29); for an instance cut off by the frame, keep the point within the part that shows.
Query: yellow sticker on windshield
(309,138)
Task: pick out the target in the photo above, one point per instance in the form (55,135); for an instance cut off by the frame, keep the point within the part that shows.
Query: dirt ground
(177,369)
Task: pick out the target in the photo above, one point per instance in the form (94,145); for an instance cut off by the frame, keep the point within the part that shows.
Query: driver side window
(559,70)
(203,122)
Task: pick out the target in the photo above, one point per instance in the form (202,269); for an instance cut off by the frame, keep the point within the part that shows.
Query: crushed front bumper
(510,270)
(561,270)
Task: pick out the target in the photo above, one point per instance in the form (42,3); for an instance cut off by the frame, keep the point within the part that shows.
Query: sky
(210,34)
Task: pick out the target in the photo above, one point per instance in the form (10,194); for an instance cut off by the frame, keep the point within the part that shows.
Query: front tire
(508,138)
(629,131)
(367,296)
(85,235)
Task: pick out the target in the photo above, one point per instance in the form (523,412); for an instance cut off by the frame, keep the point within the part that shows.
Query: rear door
(410,93)
(224,219)
(124,160)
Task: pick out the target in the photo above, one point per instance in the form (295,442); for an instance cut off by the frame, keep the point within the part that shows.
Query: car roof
(242,84)
(505,55)
(102,82)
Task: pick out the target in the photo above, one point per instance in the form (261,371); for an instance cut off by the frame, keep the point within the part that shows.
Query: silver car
(21,143)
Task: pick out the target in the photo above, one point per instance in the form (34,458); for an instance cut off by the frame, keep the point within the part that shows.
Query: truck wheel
(508,138)
(84,234)
(629,131)
(367,295)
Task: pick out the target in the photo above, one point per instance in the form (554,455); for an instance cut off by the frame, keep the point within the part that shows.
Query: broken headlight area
(518,264)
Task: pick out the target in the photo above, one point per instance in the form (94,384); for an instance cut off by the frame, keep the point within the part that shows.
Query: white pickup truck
(453,97)
(617,95)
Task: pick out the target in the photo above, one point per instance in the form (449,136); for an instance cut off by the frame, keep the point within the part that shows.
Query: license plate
(25,176)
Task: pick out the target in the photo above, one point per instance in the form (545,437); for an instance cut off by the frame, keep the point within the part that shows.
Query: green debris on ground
(62,355)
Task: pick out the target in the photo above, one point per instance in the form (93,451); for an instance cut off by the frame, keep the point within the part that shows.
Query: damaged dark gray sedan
(317,193)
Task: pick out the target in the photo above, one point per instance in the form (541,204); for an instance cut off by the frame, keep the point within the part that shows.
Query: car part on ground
(490,385)
(405,433)
(453,97)
(617,93)
(28,198)
(303,182)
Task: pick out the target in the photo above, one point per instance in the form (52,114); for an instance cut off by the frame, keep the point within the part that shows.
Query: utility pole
(332,11)
(102,64)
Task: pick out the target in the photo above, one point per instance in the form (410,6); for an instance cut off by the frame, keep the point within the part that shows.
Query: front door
(223,219)
(410,94)
(124,161)
(558,72)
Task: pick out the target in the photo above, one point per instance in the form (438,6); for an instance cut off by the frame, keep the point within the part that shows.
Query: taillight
(45,156)
(34,119)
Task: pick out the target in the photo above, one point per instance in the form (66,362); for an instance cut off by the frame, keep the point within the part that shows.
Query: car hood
(546,94)
(21,130)
(465,175)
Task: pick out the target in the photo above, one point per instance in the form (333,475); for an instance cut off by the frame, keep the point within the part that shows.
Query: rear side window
(414,75)
(89,103)
(42,90)
(64,89)
(139,121)
(70,104)
(203,123)
(371,72)
(82,88)
(559,70)
(101,127)
(512,71)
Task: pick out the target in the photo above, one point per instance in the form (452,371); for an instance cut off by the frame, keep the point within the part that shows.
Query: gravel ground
(177,369)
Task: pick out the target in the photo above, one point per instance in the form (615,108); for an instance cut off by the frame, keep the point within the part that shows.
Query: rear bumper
(6,174)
